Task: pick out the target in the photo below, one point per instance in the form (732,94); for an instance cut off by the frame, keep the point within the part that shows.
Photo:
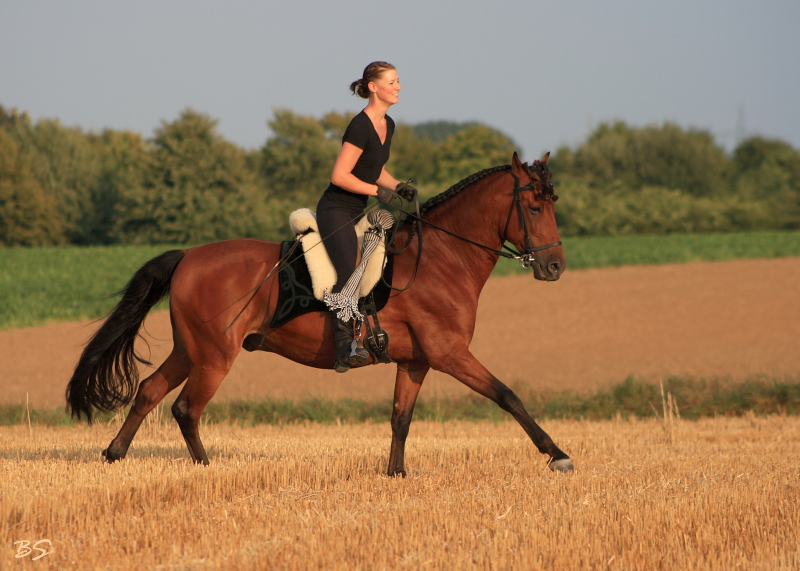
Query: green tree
(66,164)
(412,157)
(296,163)
(27,215)
(471,150)
(604,160)
(440,131)
(126,163)
(665,179)
(752,153)
(689,160)
(297,160)
(335,124)
(198,188)
(666,156)
(768,171)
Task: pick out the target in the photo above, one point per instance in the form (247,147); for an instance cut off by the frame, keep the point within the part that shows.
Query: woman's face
(387,87)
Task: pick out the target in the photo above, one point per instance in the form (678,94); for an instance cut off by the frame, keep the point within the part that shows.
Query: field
(648,494)
(655,487)
(45,285)
(592,329)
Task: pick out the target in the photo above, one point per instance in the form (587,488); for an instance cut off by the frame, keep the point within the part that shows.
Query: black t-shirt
(361,133)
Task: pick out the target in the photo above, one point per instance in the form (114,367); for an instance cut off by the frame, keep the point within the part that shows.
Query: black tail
(106,376)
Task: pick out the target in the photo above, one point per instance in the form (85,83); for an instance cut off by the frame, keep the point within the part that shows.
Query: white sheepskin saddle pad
(323,274)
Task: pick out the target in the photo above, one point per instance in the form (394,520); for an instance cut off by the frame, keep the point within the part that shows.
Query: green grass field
(614,251)
(41,285)
(632,398)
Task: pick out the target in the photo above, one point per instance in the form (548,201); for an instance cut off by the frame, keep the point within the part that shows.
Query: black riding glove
(406,191)
(385,195)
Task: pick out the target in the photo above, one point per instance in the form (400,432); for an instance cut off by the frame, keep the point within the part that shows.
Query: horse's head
(531,224)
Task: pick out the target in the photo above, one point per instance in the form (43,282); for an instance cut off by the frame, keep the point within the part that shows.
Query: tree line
(188,184)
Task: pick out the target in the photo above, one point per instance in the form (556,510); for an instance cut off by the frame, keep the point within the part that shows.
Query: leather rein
(527,258)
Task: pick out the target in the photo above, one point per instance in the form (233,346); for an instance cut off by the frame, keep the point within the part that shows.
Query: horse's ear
(546,156)
(518,168)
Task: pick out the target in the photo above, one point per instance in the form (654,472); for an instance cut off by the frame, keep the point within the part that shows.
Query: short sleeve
(357,133)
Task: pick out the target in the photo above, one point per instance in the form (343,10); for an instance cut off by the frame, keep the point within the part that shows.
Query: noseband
(526,258)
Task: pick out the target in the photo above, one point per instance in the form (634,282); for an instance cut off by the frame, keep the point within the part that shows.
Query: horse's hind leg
(188,407)
(406,388)
(151,391)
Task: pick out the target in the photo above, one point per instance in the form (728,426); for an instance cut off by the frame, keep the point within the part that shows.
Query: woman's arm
(343,176)
(387,180)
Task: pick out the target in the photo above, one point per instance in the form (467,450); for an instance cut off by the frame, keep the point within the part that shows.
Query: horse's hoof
(110,457)
(563,465)
(398,474)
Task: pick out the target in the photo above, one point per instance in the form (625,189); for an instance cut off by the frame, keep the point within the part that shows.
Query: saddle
(303,224)
(306,275)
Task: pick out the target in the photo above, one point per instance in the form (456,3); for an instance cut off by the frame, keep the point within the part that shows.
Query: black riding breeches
(336,224)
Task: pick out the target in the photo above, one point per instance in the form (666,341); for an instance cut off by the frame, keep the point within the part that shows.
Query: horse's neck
(469,221)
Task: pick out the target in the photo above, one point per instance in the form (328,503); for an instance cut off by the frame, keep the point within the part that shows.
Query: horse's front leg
(462,365)
(406,388)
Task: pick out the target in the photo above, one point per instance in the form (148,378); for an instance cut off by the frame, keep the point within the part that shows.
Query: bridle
(526,258)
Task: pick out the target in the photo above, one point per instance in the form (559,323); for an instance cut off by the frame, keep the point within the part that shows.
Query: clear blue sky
(544,73)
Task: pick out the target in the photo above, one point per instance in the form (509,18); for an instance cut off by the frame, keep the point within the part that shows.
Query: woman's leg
(337,228)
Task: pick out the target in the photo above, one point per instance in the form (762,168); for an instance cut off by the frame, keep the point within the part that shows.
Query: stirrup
(359,356)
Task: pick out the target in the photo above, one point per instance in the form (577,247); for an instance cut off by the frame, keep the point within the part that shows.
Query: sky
(544,73)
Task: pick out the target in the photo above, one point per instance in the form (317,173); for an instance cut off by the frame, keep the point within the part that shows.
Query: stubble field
(647,494)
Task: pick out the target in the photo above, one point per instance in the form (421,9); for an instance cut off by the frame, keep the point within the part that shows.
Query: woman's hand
(385,195)
(406,191)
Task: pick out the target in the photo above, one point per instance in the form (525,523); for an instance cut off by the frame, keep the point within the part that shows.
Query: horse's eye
(535,209)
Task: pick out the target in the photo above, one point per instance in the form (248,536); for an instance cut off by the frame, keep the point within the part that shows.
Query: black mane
(459,186)
(539,168)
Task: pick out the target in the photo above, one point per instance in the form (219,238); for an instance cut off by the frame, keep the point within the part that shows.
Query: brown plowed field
(590,329)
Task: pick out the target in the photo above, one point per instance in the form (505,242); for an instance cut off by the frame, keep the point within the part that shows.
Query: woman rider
(359,172)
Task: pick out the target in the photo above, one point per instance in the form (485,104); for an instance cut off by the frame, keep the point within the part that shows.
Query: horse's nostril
(554,268)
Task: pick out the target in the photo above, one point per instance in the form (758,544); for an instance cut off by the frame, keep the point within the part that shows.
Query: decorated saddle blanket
(309,273)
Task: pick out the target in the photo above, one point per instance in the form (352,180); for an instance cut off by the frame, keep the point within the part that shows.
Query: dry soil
(590,329)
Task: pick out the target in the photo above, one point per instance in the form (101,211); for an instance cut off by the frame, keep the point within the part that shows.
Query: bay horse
(222,294)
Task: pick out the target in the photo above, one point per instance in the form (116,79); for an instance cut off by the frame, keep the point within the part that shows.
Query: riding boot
(342,342)
(348,353)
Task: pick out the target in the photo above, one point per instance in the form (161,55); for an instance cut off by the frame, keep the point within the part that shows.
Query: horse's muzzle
(549,270)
